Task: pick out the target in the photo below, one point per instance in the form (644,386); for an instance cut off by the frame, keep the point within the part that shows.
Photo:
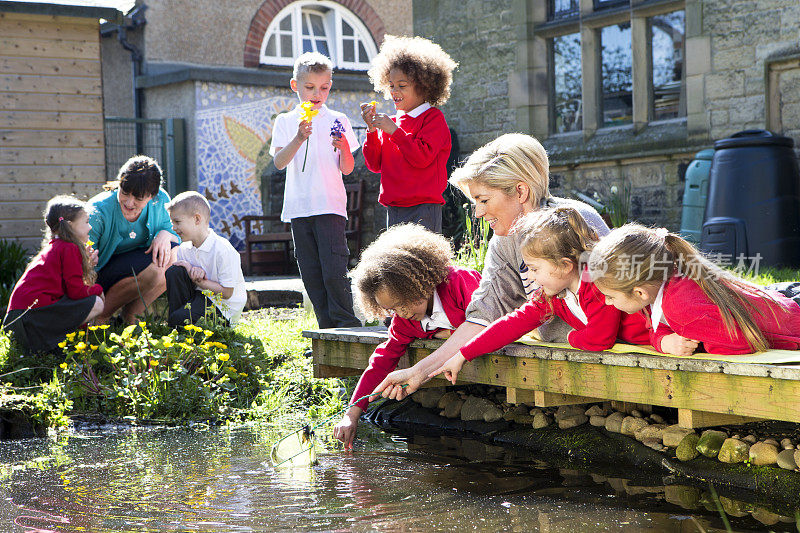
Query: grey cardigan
(501,290)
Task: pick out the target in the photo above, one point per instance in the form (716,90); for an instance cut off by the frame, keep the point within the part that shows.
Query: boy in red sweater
(410,149)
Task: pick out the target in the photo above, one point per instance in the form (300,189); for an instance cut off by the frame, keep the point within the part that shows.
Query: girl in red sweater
(57,293)
(687,299)
(554,241)
(410,150)
(407,272)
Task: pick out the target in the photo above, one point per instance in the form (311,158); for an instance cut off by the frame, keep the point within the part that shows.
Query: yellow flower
(223,356)
(153,362)
(373,103)
(308,112)
(184,346)
(188,327)
(142,324)
(207,333)
(81,346)
(168,344)
(93,328)
(190,341)
(93,347)
(81,333)
(71,336)
(231,369)
(63,365)
(243,374)
(62,344)
(104,326)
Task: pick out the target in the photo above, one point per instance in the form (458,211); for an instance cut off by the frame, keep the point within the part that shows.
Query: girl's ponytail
(556,233)
(58,215)
(587,236)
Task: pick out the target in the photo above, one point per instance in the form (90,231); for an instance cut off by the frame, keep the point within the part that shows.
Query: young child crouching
(553,243)
(687,299)
(407,272)
(410,150)
(57,293)
(204,261)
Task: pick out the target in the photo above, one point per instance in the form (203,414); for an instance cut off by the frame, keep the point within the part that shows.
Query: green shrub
(13,260)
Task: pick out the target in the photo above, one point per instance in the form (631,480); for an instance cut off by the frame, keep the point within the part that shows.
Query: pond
(219,480)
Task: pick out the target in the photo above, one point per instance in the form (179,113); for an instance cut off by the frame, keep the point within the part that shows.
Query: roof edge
(64,10)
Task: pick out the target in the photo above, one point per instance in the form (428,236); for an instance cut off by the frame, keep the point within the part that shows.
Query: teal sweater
(108,224)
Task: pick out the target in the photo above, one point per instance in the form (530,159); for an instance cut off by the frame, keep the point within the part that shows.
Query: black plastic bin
(753,202)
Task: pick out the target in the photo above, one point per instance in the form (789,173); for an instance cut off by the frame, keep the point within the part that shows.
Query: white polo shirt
(438,318)
(320,189)
(221,263)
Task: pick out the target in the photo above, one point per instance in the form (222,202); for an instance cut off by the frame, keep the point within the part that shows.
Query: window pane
(286,23)
(317,26)
(563,8)
(305,24)
(567,83)
(668,35)
(286,46)
(348,50)
(362,53)
(322,47)
(347,29)
(600,4)
(270,49)
(307,46)
(617,58)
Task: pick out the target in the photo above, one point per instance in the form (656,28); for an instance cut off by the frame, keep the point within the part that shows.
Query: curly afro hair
(428,66)
(407,260)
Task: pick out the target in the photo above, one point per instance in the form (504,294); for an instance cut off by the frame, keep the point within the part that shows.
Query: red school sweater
(412,161)
(455,294)
(605,323)
(692,314)
(57,271)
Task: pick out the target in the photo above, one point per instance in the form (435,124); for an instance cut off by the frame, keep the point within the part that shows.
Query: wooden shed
(51,110)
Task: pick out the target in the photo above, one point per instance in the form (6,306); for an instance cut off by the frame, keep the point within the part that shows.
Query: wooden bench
(705,392)
(355,197)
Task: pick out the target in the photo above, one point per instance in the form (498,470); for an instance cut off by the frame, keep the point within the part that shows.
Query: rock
(475,408)
(763,453)
(687,449)
(686,497)
(787,444)
(500,396)
(541,420)
(734,451)
(652,432)
(771,441)
(535,411)
(673,435)
(797,457)
(710,442)
(630,424)
(526,420)
(448,397)
(751,439)
(785,460)
(734,507)
(637,413)
(566,411)
(767,518)
(654,443)
(596,410)
(429,397)
(657,419)
(453,409)
(597,421)
(573,421)
(614,422)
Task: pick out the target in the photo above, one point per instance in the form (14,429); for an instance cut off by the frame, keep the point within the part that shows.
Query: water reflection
(220,480)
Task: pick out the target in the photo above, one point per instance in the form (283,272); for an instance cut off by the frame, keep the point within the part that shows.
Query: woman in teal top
(132,234)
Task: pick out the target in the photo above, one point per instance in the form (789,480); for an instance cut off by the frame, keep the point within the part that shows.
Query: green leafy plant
(472,253)
(13,259)
(618,205)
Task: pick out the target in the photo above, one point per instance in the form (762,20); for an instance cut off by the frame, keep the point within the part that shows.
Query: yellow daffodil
(223,356)
(62,344)
(373,103)
(89,243)
(63,366)
(308,112)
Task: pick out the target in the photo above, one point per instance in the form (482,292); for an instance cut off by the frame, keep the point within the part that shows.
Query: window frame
(332,21)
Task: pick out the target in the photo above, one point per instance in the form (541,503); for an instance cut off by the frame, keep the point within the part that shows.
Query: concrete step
(273,291)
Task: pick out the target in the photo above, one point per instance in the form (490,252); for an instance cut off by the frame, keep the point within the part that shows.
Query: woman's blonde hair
(634,256)
(503,163)
(58,215)
(556,233)
(407,260)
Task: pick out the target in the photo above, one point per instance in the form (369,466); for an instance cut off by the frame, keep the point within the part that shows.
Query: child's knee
(97,308)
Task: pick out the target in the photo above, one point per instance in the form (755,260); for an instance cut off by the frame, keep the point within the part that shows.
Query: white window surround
(335,21)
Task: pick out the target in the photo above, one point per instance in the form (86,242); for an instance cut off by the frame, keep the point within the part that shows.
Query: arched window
(318,26)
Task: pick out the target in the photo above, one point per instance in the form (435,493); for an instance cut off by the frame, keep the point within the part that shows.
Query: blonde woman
(506,179)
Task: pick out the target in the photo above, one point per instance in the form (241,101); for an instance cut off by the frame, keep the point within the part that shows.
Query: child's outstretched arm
(451,368)
(284,154)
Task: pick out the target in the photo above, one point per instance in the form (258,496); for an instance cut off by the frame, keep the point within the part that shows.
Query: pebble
(637,413)
(786,444)
(614,422)
(595,410)
(573,421)
(566,411)
(734,451)
(523,419)
(541,420)
(734,507)
(686,497)
(711,442)
(654,443)
(631,424)
(785,460)
(429,397)
(475,408)
(673,435)
(654,431)
(448,397)
(657,419)
(453,409)
(797,457)
(597,421)
(687,449)
(763,453)
(771,441)
(751,439)
(767,518)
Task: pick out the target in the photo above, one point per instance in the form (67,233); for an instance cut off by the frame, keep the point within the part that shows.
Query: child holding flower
(410,150)
(315,145)
(57,293)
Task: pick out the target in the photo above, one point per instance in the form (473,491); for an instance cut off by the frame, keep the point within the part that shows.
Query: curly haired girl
(410,150)
(407,272)
(687,299)
(57,293)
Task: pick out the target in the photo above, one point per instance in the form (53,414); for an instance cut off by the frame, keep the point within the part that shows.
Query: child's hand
(303,130)
(368,115)
(392,386)
(345,430)
(450,368)
(197,274)
(677,345)
(383,122)
(341,144)
(94,256)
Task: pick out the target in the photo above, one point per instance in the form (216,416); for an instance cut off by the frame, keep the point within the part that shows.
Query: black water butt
(753,204)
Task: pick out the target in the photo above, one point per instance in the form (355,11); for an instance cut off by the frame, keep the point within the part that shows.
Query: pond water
(219,480)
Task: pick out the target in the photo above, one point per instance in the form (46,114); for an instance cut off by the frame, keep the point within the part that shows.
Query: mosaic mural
(233,130)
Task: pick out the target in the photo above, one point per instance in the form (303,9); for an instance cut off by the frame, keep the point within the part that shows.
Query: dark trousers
(429,215)
(321,250)
(186,303)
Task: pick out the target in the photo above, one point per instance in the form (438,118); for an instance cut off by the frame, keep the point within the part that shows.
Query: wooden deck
(705,392)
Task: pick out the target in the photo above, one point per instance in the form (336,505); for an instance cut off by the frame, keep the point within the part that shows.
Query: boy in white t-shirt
(204,261)
(316,153)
